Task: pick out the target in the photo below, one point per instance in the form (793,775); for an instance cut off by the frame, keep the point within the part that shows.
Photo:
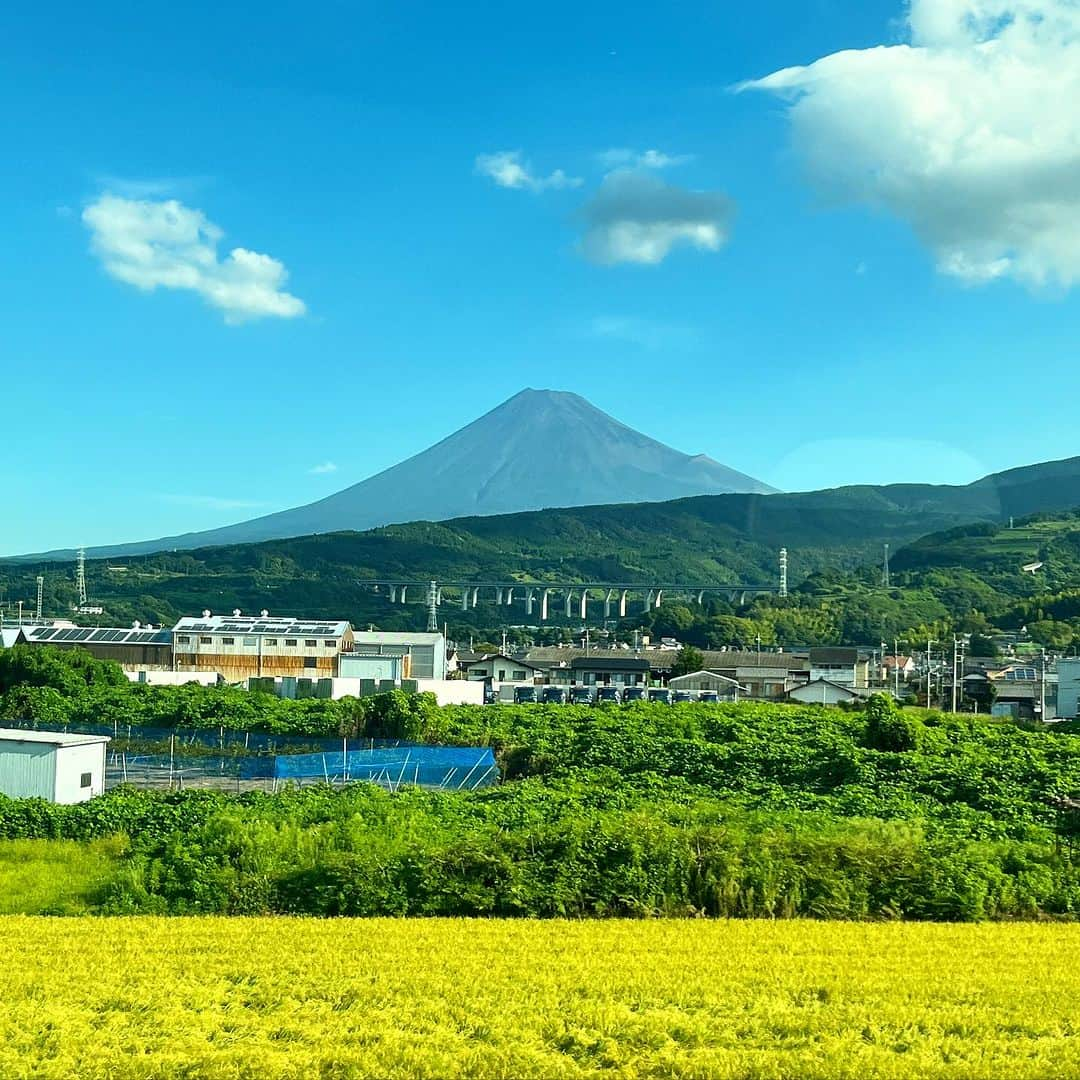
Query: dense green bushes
(721,810)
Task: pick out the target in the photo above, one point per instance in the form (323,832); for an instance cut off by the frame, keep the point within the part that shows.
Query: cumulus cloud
(508,169)
(323,469)
(622,157)
(634,217)
(164,244)
(969,131)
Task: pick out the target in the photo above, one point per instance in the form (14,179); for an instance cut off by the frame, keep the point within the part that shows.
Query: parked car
(634,693)
(490,697)
(609,694)
(661,694)
(524,694)
(679,697)
(553,695)
(710,696)
(581,695)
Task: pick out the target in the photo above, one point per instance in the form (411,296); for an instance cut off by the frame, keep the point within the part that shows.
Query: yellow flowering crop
(277,997)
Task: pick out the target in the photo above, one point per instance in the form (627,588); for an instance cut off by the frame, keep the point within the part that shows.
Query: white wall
(71,763)
(174,678)
(453,691)
(819,694)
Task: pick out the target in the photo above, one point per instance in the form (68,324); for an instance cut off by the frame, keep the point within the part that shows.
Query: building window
(182,639)
(310,661)
(519,676)
(310,644)
(249,641)
(290,642)
(206,641)
(228,641)
(270,641)
(330,644)
(86,780)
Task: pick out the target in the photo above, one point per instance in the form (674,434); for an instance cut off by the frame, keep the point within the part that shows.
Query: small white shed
(53,765)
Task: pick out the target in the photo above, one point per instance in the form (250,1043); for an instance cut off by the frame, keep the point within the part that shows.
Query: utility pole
(929,673)
(958,666)
(1042,685)
(885,569)
(40,591)
(783,571)
(896,668)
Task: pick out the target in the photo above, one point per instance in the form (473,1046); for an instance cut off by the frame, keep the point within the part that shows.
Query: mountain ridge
(538,449)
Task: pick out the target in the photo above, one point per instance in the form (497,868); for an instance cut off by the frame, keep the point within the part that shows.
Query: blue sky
(831,277)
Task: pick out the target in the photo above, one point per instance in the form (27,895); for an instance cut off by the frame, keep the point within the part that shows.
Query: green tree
(688,661)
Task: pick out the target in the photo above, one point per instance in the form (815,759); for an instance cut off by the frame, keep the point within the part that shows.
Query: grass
(148,997)
(55,877)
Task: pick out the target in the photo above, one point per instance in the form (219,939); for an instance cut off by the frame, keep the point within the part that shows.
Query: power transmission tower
(433,607)
(80,575)
(40,592)
(885,569)
(783,571)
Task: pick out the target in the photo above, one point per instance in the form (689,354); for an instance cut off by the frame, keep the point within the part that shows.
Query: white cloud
(970,133)
(635,217)
(621,157)
(509,170)
(645,333)
(323,469)
(167,245)
(211,502)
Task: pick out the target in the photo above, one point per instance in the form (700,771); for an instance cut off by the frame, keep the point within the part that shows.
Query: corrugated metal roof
(50,738)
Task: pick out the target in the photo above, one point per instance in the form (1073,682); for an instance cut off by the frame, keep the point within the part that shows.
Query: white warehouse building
(62,768)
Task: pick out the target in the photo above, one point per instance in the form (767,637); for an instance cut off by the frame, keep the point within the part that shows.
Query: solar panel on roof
(46,634)
(82,635)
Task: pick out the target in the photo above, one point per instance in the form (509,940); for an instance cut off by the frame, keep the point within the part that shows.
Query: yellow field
(149,997)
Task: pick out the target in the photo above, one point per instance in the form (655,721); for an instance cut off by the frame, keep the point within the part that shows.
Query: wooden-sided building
(240,647)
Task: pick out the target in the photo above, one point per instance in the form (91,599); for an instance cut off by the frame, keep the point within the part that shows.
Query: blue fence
(455,767)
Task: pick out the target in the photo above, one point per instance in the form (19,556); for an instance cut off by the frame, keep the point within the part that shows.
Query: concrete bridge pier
(403,588)
(659,597)
(498,596)
(544,604)
(510,596)
(569,601)
(622,605)
(584,603)
(393,594)
(610,595)
(476,596)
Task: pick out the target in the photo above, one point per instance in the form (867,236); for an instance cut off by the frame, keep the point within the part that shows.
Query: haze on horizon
(252,263)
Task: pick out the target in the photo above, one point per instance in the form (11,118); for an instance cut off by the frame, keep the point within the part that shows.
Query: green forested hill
(966,563)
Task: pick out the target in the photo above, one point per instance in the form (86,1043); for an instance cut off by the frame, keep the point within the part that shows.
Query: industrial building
(240,647)
(426,653)
(136,647)
(52,765)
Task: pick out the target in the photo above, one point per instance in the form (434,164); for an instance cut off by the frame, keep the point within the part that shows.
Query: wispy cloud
(635,217)
(150,187)
(323,469)
(625,158)
(648,334)
(164,244)
(509,170)
(210,502)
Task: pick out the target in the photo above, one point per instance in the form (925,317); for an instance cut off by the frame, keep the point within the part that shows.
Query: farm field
(280,997)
